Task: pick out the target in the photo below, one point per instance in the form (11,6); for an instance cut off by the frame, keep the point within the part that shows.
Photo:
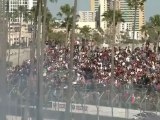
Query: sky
(152,7)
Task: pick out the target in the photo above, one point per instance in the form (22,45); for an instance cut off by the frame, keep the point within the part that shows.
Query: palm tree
(145,30)
(48,23)
(71,77)
(51,20)
(97,37)
(136,4)
(85,31)
(155,23)
(55,24)
(108,16)
(57,37)
(66,11)
(100,30)
(29,15)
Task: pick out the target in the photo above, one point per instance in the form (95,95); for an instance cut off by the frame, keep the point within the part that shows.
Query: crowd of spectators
(92,66)
(138,67)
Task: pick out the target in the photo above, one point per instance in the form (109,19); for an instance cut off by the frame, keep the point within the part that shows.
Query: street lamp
(113,54)
(68,102)
(98,102)
(3,49)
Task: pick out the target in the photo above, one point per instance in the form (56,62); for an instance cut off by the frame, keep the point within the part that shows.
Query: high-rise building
(128,16)
(14,25)
(31,3)
(111,3)
(99,6)
(103,8)
(94,5)
(14,4)
(87,18)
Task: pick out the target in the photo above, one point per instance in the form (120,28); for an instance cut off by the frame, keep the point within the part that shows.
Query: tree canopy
(152,28)
(108,16)
(136,3)
(57,37)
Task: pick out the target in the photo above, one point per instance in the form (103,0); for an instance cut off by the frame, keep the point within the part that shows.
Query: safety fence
(125,98)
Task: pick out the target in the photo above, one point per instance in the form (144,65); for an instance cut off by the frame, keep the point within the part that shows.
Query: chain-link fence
(89,98)
(126,97)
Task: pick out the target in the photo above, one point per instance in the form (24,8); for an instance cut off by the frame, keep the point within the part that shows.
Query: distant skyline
(151,6)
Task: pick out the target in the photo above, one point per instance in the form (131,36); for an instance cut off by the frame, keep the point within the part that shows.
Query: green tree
(155,25)
(97,38)
(85,32)
(149,32)
(136,5)
(29,15)
(145,30)
(66,11)
(57,37)
(49,23)
(155,22)
(108,16)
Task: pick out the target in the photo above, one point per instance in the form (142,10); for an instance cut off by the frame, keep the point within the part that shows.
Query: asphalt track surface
(24,55)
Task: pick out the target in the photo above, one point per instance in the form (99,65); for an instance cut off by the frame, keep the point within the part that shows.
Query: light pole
(3,49)
(98,101)
(69,90)
(39,108)
(113,54)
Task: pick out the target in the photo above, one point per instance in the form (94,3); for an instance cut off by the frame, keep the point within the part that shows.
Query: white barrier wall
(92,110)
